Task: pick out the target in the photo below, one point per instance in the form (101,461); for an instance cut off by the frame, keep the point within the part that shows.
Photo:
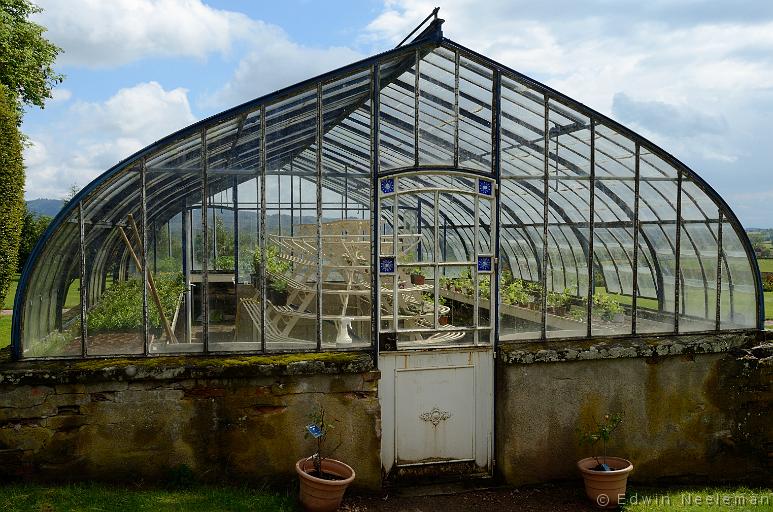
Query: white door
(437,407)
(436,268)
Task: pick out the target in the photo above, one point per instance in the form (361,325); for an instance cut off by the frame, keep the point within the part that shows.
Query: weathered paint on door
(437,406)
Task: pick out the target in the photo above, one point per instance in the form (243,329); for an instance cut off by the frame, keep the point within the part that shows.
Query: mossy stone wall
(231,419)
(696,408)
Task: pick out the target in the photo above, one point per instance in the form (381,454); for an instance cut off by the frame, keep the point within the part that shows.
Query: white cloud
(60,95)
(96,33)
(274,63)
(92,137)
(683,67)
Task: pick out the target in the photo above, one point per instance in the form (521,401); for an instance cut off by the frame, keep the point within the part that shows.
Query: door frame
(388,404)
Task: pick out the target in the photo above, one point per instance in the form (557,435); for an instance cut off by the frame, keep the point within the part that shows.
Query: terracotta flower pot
(318,494)
(417,279)
(442,320)
(605,488)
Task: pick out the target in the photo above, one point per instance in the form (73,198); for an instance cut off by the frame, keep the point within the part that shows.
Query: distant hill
(49,207)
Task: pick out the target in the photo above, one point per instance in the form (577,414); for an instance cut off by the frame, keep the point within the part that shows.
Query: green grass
(11,292)
(94,497)
(5,330)
(719,499)
(765,264)
(768,305)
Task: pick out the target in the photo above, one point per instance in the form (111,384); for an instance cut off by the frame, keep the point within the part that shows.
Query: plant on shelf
(442,319)
(559,302)
(323,480)
(608,307)
(484,287)
(463,283)
(505,279)
(275,264)
(515,293)
(276,268)
(417,276)
(224,263)
(534,289)
(605,477)
(446,283)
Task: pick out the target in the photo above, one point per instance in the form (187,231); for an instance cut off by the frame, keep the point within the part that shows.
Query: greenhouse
(424,198)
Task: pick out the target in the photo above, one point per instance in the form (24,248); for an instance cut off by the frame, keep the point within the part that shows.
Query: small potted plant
(558,302)
(417,276)
(605,477)
(442,319)
(323,480)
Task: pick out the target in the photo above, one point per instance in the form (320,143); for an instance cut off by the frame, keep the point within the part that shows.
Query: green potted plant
(605,477)
(442,319)
(323,480)
(559,302)
(417,276)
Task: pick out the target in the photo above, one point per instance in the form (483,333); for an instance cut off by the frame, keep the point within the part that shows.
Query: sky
(693,76)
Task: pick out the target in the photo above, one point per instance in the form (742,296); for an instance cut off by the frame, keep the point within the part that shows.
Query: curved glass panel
(255,230)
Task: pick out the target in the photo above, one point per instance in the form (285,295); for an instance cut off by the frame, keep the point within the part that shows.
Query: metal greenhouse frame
(526,215)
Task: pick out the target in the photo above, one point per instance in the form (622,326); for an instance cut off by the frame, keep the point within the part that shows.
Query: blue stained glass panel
(387,185)
(386,265)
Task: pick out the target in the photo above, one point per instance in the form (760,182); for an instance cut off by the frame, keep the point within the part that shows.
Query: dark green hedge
(11,190)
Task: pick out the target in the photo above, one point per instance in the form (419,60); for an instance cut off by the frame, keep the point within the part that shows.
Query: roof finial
(433,15)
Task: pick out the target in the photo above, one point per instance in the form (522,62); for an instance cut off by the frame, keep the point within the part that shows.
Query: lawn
(11,292)
(768,305)
(706,498)
(93,497)
(5,330)
(766,264)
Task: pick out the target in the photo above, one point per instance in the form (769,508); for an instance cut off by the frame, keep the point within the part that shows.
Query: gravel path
(541,498)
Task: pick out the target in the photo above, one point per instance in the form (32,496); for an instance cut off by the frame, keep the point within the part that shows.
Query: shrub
(767,281)
(120,307)
(32,228)
(606,305)
(11,190)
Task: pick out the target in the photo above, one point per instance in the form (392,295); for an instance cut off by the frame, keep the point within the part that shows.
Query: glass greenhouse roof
(592,229)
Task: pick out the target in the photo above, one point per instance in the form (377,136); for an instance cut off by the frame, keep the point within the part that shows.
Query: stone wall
(696,408)
(238,419)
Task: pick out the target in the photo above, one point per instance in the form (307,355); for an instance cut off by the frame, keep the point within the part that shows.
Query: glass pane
(657,245)
(698,266)
(520,239)
(437,118)
(475,94)
(568,232)
(114,275)
(52,303)
(174,208)
(739,301)
(397,114)
(523,130)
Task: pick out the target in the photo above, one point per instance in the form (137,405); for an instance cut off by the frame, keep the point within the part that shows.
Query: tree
(26,57)
(32,229)
(11,189)
(74,189)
